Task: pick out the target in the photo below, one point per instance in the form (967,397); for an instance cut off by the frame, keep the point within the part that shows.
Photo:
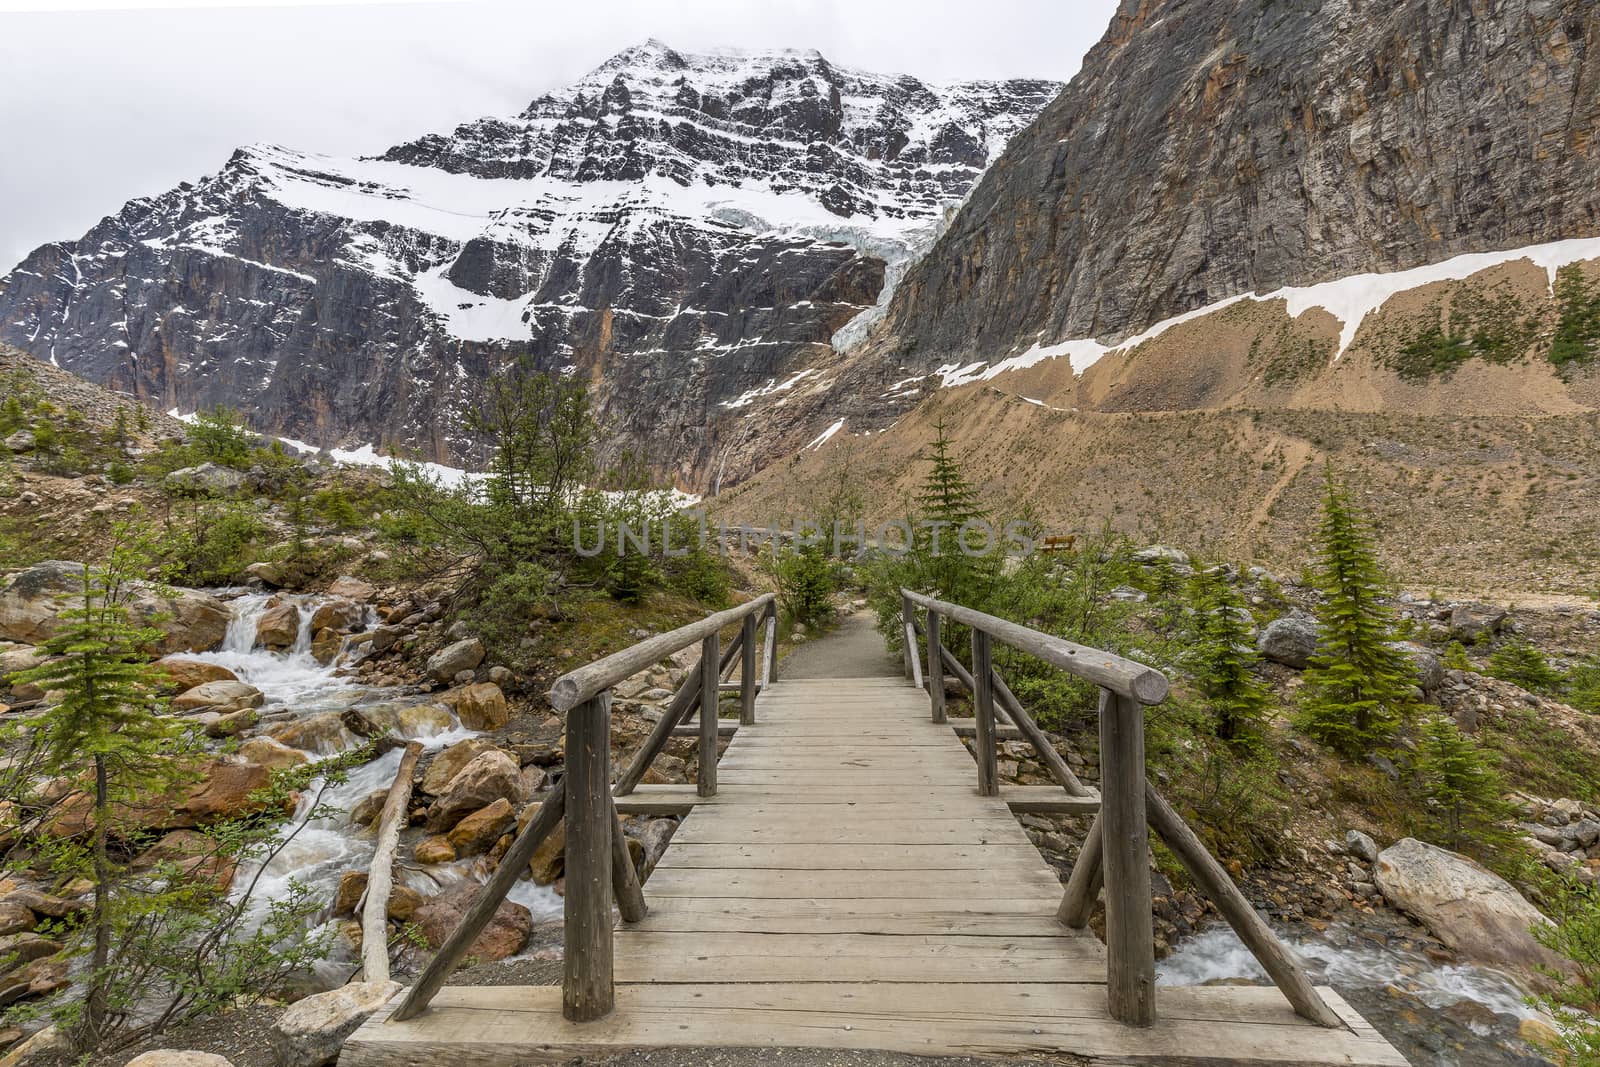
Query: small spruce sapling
(1358,685)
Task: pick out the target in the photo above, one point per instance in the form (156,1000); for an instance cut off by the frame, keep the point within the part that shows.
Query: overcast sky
(105,100)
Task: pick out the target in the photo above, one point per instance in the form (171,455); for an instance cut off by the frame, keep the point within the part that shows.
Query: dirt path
(852,649)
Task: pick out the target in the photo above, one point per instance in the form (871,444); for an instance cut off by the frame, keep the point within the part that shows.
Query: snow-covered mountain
(687,231)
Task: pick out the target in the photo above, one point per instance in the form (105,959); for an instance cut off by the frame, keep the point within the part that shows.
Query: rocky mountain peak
(686,230)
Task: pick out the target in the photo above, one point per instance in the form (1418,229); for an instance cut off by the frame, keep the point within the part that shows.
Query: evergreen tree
(1358,685)
(1461,789)
(1222,659)
(949,502)
(1522,664)
(106,726)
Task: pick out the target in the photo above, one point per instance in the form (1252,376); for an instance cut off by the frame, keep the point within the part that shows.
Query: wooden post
(908,643)
(983,709)
(587,991)
(380,876)
(1125,838)
(484,905)
(706,778)
(1083,888)
(769,649)
(747,672)
(1278,960)
(624,877)
(1002,714)
(935,668)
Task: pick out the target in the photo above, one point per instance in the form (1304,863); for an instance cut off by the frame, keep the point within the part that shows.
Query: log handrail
(574,687)
(1115,855)
(1122,676)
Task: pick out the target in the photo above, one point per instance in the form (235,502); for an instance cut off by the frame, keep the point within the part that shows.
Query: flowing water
(320,850)
(1437,1015)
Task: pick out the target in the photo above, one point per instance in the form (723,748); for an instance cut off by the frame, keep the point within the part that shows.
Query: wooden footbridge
(846,878)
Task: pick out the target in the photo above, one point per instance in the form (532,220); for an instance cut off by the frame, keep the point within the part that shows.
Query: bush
(219,436)
(211,542)
(805,581)
(1574,998)
(1521,664)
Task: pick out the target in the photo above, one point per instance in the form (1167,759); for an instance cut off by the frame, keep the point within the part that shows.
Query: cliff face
(1216,147)
(683,230)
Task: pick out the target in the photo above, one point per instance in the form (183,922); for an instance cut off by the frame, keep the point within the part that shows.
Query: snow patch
(1350,300)
(823,437)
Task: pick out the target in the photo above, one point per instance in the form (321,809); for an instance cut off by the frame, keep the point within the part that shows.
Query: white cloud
(98,106)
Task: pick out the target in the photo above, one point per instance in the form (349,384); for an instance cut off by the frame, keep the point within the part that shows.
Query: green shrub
(1573,998)
(1520,663)
(211,542)
(219,436)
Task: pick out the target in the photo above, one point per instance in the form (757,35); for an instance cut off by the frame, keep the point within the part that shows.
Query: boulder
(326,645)
(191,621)
(386,637)
(267,573)
(1361,845)
(350,588)
(1469,908)
(313,1030)
(1470,623)
(447,764)
(32,600)
(22,441)
(279,626)
(503,937)
(186,674)
(166,1057)
(1290,641)
(323,733)
(272,754)
(352,884)
(489,777)
(194,854)
(16,919)
(18,949)
(208,479)
(223,792)
(411,720)
(48,905)
(479,831)
(219,696)
(1161,554)
(337,614)
(479,707)
(435,849)
(549,860)
(1427,670)
(368,808)
(451,660)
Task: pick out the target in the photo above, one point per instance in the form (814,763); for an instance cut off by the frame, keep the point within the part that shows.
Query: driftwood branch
(380,876)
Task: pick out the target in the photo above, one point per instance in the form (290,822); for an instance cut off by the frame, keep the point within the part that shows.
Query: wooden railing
(1116,852)
(598,868)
